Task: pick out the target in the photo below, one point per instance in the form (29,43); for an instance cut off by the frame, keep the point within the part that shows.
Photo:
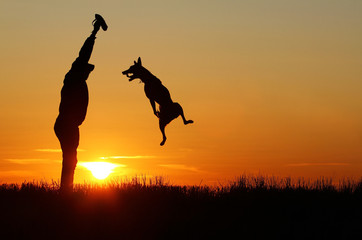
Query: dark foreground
(249,208)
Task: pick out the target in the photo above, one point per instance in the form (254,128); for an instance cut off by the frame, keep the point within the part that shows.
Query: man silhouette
(73,106)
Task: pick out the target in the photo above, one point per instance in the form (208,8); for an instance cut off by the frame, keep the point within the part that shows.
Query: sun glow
(100,170)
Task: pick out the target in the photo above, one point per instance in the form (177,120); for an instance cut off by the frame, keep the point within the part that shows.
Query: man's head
(81,70)
(89,67)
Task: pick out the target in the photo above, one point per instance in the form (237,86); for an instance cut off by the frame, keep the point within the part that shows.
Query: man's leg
(68,168)
(69,140)
(87,48)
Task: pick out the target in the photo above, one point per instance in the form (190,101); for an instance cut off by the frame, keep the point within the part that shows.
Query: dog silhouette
(157,93)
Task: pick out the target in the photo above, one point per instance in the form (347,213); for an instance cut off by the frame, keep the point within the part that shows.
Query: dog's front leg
(153,104)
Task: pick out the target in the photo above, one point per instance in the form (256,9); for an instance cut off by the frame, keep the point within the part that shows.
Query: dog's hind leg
(163,124)
(180,111)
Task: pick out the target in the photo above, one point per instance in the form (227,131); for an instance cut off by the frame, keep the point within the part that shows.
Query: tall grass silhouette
(251,207)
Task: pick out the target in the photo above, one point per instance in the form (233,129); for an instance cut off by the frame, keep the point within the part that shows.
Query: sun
(100,170)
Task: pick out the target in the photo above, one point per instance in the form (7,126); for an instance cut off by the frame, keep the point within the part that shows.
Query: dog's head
(134,71)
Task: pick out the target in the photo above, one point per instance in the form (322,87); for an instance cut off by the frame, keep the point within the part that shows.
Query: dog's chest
(158,93)
(151,91)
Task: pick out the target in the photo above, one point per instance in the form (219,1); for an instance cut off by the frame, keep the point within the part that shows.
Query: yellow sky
(273,87)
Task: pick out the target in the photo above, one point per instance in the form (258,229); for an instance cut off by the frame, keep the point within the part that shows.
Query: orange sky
(273,87)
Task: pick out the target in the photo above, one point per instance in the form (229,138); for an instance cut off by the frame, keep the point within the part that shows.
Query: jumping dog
(157,93)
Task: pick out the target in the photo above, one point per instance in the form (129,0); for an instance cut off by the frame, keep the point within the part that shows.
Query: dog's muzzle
(130,77)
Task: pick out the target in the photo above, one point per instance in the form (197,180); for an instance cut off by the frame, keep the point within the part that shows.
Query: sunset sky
(274,87)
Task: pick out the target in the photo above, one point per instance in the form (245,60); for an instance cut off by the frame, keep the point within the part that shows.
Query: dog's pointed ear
(135,63)
(139,61)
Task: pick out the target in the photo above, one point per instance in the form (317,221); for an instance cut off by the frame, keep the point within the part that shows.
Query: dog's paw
(188,122)
(163,142)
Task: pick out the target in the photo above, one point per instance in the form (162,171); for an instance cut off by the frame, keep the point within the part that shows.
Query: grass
(251,207)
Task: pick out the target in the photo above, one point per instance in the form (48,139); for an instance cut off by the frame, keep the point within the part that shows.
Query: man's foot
(99,21)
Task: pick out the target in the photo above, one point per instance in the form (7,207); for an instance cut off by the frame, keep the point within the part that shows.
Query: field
(251,207)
